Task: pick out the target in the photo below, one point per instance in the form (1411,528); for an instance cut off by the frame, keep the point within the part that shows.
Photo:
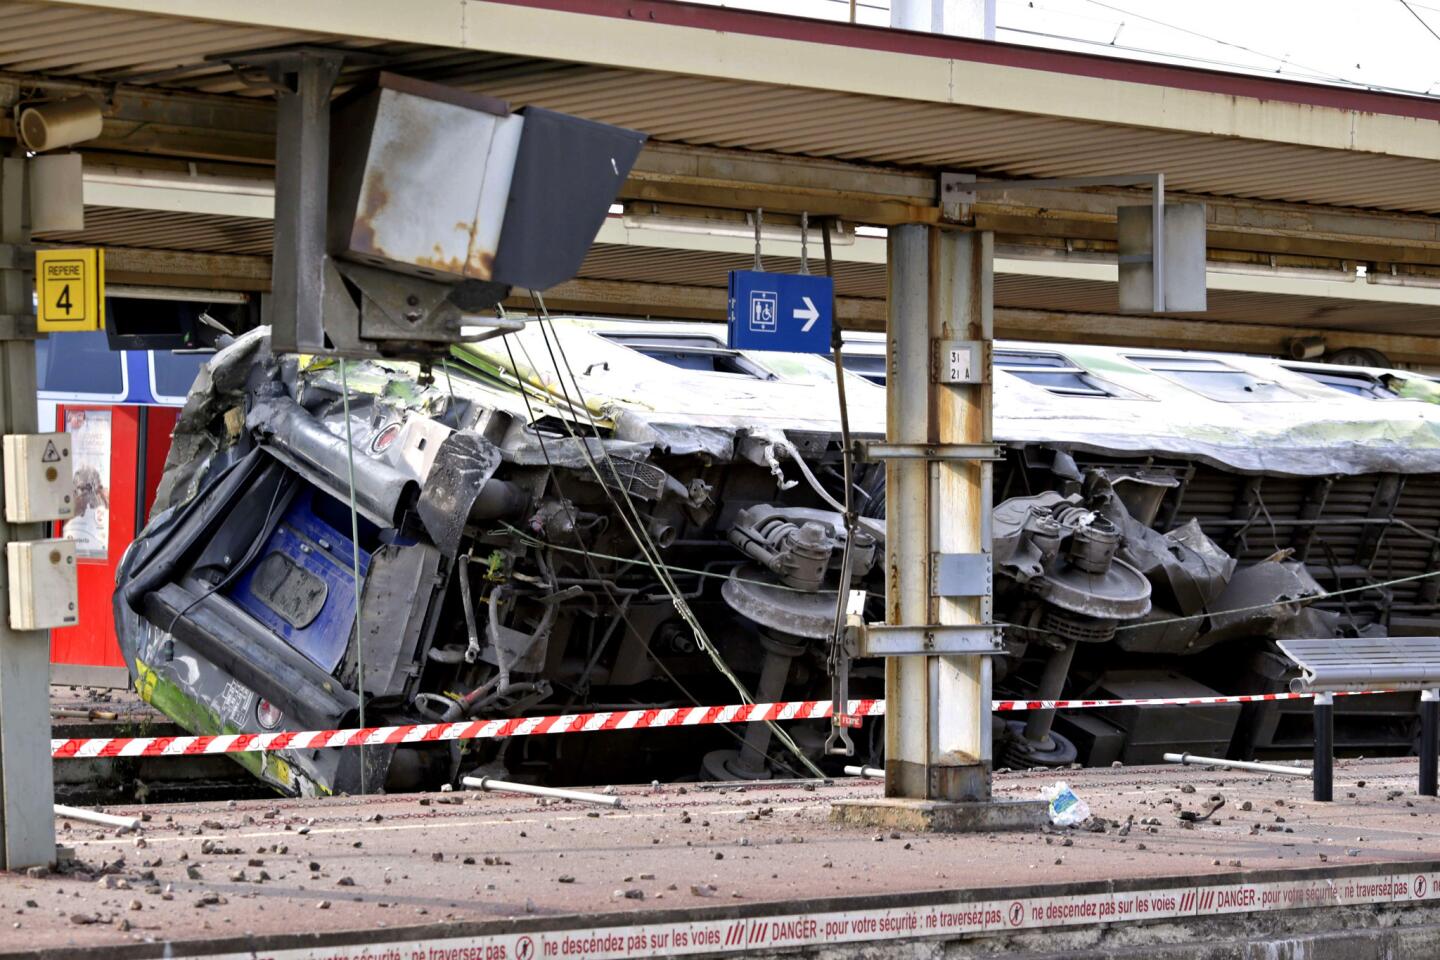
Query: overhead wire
(1216,40)
(631,561)
(354,560)
(1304,71)
(589,555)
(1423,23)
(1322,595)
(837,661)
(1194,58)
(641,534)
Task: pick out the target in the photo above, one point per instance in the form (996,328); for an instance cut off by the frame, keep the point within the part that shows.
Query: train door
(120,407)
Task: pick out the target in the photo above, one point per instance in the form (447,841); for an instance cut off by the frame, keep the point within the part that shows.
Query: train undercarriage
(642,522)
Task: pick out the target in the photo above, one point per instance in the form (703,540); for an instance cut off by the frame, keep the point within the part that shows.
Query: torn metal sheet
(588,513)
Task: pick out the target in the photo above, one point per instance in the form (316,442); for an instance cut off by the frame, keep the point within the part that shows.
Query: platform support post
(1429,740)
(937,727)
(1324,777)
(27,787)
(302,178)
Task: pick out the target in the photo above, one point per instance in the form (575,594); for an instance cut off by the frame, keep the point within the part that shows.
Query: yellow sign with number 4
(70,290)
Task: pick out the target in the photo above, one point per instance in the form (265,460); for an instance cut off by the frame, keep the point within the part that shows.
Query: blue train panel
(301,586)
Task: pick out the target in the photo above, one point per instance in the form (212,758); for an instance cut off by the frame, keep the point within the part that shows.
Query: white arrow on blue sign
(780,311)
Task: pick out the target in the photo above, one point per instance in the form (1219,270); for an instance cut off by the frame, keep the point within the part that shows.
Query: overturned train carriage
(600,514)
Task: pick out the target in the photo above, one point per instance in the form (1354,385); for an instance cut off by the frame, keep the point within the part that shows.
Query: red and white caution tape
(468,730)
(1003,705)
(1148,702)
(564,723)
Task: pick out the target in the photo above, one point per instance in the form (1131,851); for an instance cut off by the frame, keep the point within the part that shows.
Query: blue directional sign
(780,311)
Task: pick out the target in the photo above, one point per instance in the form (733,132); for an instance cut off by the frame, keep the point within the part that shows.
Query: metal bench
(1335,666)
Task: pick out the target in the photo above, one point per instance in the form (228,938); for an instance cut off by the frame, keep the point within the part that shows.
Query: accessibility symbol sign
(780,311)
(763,307)
(70,290)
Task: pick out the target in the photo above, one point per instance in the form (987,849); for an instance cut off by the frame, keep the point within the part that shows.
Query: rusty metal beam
(672,302)
(736,179)
(174,268)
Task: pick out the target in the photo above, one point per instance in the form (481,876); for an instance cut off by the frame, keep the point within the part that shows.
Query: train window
(1053,372)
(868,365)
(692,352)
(294,593)
(1214,378)
(80,363)
(1353,382)
(172,373)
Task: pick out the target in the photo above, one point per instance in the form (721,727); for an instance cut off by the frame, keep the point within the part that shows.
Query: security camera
(59,123)
(1306,348)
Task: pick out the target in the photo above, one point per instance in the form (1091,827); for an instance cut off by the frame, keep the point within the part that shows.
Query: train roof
(680,382)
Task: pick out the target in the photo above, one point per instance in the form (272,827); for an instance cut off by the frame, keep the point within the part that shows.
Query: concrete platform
(758,870)
(929,816)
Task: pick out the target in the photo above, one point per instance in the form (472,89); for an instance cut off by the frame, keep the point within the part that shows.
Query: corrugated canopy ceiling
(162,52)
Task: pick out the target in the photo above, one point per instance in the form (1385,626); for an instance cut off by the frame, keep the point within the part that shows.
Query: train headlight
(268,715)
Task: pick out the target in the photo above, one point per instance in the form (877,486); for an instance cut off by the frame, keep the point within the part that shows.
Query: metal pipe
(873,772)
(1429,740)
(761,784)
(555,793)
(1052,684)
(92,816)
(1324,747)
(67,714)
(775,670)
(1188,758)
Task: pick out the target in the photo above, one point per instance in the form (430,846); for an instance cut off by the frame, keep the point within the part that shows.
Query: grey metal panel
(1182,256)
(409,171)
(875,451)
(893,640)
(1336,665)
(960,575)
(292,435)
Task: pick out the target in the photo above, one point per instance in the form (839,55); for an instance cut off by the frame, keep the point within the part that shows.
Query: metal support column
(1429,740)
(1324,764)
(302,183)
(937,727)
(27,788)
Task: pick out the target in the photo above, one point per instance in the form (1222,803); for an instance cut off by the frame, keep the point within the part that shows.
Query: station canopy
(1321,201)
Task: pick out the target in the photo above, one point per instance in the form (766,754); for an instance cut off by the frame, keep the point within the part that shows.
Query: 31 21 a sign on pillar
(780,311)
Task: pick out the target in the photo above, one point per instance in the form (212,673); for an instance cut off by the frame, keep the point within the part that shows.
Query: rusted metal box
(419,178)
(449,185)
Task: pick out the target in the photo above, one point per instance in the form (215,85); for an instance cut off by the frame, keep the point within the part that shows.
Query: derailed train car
(599,514)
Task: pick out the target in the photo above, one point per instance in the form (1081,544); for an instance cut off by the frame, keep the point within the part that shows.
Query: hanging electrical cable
(355,562)
(838,661)
(640,534)
(591,568)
